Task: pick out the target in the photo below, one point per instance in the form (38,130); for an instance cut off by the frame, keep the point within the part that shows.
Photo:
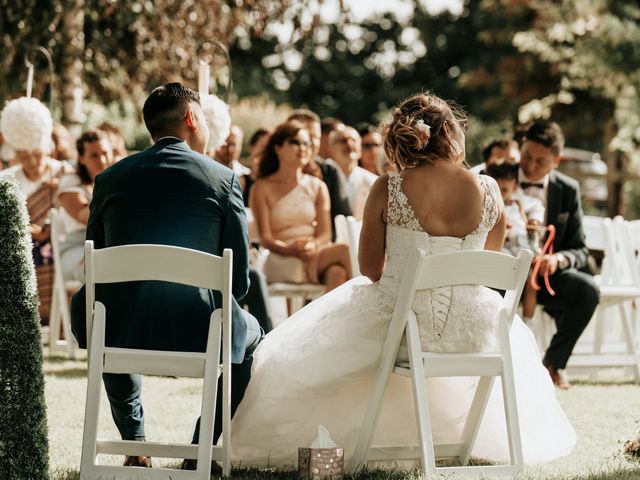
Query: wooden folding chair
(60,317)
(491,269)
(171,264)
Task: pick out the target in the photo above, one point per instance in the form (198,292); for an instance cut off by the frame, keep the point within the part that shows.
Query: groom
(577,294)
(169,194)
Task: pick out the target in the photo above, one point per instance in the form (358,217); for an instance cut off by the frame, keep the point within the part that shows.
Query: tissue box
(320,463)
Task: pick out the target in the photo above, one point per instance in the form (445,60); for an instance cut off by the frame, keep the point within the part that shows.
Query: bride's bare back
(447,199)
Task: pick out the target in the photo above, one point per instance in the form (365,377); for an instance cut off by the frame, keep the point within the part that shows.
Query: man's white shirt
(360,183)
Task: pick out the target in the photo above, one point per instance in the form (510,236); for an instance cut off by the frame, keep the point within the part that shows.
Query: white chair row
(170,264)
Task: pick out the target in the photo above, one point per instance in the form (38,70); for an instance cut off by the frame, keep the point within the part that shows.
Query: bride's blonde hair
(415,133)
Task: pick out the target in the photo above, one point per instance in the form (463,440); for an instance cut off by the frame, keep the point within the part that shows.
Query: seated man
(577,294)
(257,296)
(345,143)
(169,194)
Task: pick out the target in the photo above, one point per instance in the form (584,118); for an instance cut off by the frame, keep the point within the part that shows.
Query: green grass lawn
(604,416)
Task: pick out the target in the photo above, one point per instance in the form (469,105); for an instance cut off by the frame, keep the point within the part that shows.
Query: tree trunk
(616,166)
(72,67)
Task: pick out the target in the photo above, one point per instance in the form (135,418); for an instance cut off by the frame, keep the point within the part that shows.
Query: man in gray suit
(169,194)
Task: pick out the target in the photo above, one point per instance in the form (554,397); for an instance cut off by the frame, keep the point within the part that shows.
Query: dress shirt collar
(523,178)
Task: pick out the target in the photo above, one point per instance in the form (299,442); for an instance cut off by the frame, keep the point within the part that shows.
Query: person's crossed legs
(577,296)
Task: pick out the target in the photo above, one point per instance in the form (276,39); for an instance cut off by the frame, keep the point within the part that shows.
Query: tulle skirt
(318,368)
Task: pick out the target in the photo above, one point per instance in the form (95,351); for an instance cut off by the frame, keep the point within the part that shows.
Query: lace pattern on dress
(404,234)
(399,211)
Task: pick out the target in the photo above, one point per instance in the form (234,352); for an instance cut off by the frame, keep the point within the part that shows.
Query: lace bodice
(453,318)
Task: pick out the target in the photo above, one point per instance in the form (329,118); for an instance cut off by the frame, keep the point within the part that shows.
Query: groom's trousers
(123,391)
(577,296)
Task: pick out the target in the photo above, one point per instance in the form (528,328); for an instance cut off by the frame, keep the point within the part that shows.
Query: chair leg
(420,398)
(209,394)
(476,413)
(54,319)
(630,340)
(598,337)
(92,407)
(369,423)
(66,323)
(509,396)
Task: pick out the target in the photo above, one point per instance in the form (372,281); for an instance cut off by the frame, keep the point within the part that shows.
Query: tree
(119,50)
(593,44)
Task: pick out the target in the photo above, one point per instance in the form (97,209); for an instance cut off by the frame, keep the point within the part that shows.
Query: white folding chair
(342,235)
(60,301)
(348,231)
(170,264)
(619,284)
(296,294)
(491,269)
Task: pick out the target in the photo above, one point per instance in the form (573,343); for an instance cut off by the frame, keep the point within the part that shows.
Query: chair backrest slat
(471,267)
(491,269)
(158,262)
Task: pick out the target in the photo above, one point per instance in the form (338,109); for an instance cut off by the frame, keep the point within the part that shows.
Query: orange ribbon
(546,249)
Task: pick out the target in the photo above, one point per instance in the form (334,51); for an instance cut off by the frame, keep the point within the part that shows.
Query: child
(524,214)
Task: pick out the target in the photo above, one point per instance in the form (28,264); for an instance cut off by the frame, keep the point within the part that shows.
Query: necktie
(524,185)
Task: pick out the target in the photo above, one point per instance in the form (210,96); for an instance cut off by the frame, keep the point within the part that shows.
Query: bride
(319,365)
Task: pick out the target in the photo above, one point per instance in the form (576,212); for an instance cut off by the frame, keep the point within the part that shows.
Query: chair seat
(622,292)
(308,290)
(154,362)
(455,365)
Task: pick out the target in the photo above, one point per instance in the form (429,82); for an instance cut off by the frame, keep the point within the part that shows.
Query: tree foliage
(595,47)
(129,47)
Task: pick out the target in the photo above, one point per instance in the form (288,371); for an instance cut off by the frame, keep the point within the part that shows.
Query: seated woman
(75,192)
(292,212)
(26,126)
(319,366)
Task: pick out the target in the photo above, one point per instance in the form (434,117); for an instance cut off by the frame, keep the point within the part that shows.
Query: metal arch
(30,63)
(229,85)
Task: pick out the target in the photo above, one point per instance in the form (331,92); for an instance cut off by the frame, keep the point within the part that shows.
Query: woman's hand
(305,248)
(40,234)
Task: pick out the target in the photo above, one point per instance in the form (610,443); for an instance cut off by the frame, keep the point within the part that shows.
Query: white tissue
(323,440)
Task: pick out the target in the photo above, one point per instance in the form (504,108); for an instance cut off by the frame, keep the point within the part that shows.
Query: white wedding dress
(317,368)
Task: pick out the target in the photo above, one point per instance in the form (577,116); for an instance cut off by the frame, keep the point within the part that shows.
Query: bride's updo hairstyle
(415,134)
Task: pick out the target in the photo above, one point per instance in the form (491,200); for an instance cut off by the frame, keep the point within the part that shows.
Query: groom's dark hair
(166,106)
(546,133)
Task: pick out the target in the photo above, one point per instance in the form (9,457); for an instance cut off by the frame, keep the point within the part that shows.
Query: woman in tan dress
(292,212)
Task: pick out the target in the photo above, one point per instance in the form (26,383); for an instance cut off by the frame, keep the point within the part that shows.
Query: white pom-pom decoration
(26,124)
(218,118)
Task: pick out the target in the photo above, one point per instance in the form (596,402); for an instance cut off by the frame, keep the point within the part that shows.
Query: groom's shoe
(558,379)
(131,461)
(190,464)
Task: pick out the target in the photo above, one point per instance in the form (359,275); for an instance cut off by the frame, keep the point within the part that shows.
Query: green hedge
(24,448)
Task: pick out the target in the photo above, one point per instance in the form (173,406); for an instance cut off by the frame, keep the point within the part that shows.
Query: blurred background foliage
(505,61)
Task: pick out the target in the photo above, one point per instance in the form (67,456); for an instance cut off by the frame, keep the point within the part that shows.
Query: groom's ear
(190,120)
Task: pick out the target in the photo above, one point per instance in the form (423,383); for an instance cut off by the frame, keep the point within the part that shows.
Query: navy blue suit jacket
(171,195)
